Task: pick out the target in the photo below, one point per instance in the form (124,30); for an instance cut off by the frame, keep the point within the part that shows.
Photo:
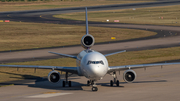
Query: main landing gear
(66,82)
(94,86)
(115,80)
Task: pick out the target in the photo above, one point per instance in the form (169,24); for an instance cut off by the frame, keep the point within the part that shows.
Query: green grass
(16,6)
(127,58)
(21,35)
(153,15)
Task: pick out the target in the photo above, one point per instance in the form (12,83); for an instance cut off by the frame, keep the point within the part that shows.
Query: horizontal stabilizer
(66,55)
(114,53)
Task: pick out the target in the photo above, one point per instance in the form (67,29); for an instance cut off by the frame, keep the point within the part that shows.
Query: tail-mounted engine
(87,41)
(54,76)
(129,75)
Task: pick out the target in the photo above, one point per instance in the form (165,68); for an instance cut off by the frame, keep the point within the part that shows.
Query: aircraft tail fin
(87,30)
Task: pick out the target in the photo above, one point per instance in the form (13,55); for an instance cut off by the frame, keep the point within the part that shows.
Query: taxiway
(153,84)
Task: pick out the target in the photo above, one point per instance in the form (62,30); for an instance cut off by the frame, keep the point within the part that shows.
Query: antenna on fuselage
(87,31)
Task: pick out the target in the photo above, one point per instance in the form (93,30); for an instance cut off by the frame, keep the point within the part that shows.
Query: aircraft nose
(96,71)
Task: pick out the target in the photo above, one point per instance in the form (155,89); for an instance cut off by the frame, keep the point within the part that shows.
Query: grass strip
(22,35)
(16,6)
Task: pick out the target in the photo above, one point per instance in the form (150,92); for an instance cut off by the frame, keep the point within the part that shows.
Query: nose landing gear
(94,86)
(94,89)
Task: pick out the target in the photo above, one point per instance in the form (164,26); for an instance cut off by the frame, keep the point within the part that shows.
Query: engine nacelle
(87,41)
(129,75)
(54,76)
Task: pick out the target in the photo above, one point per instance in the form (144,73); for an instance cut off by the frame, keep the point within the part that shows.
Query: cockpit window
(95,62)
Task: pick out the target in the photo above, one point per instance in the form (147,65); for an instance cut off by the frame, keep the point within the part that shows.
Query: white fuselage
(93,65)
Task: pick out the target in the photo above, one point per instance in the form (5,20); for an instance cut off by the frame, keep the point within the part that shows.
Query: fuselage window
(95,62)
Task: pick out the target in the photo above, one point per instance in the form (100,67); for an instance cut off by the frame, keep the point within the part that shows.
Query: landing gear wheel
(111,83)
(64,83)
(117,83)
(94,89)
(69,83)
(88,83)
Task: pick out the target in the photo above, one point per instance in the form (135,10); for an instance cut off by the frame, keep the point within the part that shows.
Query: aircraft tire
(88,83)
(64,83)
(111,83)
(69,83)
(117,83)
(94,89)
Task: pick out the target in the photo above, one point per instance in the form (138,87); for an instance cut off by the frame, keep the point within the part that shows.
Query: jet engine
(87,41)
(129,75)
(54,76)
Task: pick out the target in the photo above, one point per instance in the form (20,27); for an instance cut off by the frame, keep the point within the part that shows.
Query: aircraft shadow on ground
(22,76)
(108,84)
(150,81)
(40,82)
(44,83)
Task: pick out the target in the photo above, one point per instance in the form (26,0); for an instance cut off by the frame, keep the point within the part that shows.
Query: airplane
(91,64)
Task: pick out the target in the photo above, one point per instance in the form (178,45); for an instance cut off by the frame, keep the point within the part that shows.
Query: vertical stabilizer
(87,31)
(87,40)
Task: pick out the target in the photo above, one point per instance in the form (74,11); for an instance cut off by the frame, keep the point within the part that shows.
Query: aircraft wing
(115,53)
(66,55)
(66,69)
(125,67)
